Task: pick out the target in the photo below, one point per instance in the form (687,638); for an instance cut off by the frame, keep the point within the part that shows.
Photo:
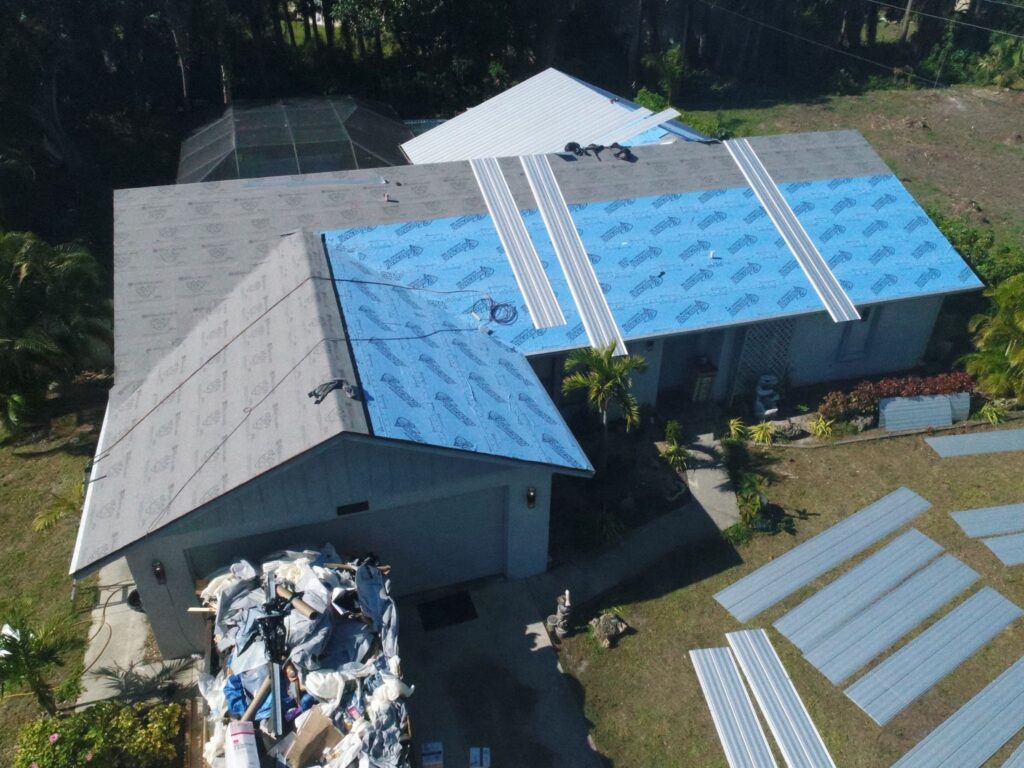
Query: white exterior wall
(265,514)
(897,341)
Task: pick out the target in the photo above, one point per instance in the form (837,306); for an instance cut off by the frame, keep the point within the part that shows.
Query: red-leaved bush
(863,399)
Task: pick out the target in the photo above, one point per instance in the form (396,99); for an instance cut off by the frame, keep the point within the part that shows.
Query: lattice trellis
(765,350)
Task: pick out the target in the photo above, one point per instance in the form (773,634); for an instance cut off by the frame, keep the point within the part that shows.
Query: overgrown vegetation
(106,734)
(998,359)
(994,262)
(863,399)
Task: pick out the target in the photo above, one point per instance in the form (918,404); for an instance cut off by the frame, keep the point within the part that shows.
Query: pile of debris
(308,645)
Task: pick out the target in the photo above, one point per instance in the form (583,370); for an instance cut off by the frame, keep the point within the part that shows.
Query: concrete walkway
(114,657)
(709,482)
(495,681)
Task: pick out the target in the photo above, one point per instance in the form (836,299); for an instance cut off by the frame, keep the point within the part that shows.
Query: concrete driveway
(493,682)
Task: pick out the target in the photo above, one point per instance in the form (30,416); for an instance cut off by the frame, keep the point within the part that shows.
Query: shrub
(673,431)
(736,459)
(821,427)
(737,429)
(738,534)
(675,455)
(863,399)
(993,413)
(835,406)
(106,734)
(750,496)
(763,433)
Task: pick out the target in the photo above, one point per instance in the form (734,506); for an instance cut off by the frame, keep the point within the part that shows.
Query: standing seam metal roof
(539,115)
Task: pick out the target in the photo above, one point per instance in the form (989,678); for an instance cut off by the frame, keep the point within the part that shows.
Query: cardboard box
(316,734)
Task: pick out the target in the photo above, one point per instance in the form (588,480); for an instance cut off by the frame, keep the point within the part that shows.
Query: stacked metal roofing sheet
(771,583)
(787,717)
(978,443)
(898,413)
(522,256)
(1009,549)
(602,330)
(991,521)
(732,710)
(1016,760)
(870,632)
(831,293)
(891,686)
(834,605)
(977,730)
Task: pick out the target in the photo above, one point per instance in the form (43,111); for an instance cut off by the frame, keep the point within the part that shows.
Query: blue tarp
(432,378)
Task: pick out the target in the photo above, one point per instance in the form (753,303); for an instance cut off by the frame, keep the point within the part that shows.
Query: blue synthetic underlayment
(1009,549)
(876,238)
(432,378)
(652,257)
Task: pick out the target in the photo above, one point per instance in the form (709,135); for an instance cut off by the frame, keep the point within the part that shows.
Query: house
(372,357)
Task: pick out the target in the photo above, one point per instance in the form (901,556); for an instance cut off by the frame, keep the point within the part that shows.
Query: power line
(812,41)
(951,20)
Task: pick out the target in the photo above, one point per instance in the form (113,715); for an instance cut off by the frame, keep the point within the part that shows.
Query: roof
(676,261)
(542,115)
(226,404)
(255,139)
(434,378)
(198,266)
(230,401)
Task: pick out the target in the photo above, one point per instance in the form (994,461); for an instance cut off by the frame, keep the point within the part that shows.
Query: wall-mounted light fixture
(159,573)
(531,497)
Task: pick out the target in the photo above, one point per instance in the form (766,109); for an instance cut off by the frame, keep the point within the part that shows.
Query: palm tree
(27,656)
(607,381)
(54,319)
(998,362)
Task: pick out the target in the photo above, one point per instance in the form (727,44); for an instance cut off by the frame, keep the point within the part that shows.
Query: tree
(607,380)
(998,360)
(54,320)
(28,656)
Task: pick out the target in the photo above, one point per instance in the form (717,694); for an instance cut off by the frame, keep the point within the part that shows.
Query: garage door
(433,544)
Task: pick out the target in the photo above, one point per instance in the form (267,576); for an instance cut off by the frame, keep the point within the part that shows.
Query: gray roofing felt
(890,687)
(786,574)
(991,521)
(732,710)
(835,604)
(979,443)
(870,632)
(977,730)
(788,719)
(183,435)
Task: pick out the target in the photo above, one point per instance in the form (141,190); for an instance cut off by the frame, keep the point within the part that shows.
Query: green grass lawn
(643,698)
(35,472)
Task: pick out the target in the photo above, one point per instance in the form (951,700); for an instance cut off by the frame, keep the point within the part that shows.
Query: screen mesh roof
(287,137)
